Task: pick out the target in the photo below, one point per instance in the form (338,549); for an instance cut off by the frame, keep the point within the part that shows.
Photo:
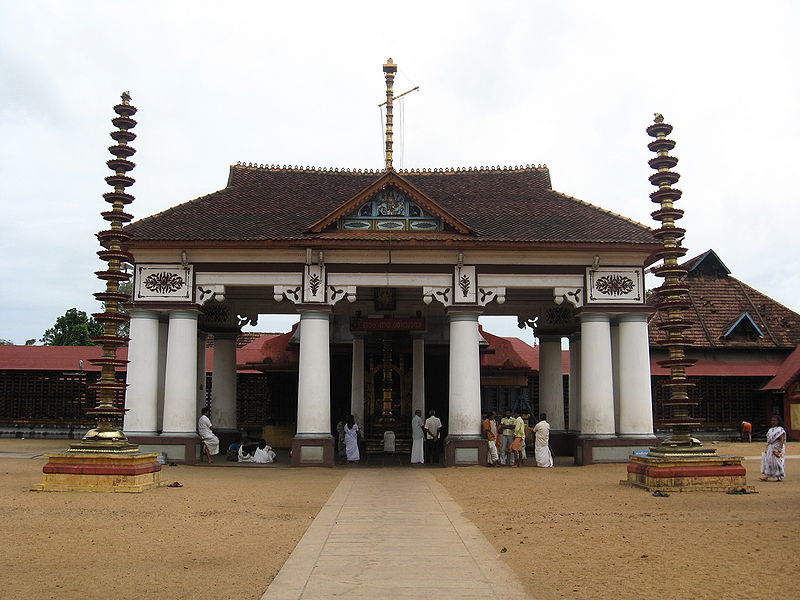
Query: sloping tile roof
(718,301)
(501,205)
(787,373)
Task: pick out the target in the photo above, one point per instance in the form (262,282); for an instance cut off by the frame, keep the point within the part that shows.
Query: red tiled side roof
(787,373)
(718,301)
(261,204)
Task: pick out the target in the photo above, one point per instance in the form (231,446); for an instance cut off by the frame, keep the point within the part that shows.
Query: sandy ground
(225,534)
(569,532)
(574,532)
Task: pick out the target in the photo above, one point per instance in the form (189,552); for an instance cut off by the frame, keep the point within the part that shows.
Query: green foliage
(124,330)
(30,342)
(75,328)
(6,342)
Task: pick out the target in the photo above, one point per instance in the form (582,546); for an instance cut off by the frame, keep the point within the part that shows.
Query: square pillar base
(99,472)
(179,449)
(312,451)
(464,451)
(590,450)
(702,474)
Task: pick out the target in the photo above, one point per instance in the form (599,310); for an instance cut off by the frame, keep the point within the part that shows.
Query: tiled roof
(500,205)
(719,301)
(787,373)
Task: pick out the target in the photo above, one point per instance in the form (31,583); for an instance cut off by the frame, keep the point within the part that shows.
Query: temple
(389,271)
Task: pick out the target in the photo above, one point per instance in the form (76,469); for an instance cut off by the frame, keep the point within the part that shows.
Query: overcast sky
(569,84)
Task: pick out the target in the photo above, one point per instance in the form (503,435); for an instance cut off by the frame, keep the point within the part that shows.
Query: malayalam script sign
(393,324)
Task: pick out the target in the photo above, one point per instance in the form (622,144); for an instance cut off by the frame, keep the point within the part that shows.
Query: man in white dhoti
(541,444)
(417,452)
(210,441)
(489,428)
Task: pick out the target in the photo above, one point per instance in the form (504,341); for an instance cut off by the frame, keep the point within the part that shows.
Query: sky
(570,84)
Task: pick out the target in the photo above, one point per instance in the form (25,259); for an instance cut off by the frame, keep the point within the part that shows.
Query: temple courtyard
(568,532)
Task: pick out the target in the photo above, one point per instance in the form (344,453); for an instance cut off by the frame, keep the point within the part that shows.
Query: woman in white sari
(417,454)
(351,439)
(772,461)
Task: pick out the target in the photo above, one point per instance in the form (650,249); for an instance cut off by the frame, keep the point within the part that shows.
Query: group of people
(506,439)
(425,438)
(245,451)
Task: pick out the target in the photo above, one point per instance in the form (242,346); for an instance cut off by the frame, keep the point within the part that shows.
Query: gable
(390,209)
(391,203)
(707,264)
(744,328)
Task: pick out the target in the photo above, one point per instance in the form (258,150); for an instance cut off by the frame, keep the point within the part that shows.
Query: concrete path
(393,533)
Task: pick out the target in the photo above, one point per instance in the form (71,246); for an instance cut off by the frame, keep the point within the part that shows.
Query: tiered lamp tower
(671,297)
(104,460)
(681,463)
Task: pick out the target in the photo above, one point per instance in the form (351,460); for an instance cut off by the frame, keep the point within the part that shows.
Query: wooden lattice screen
(48,397)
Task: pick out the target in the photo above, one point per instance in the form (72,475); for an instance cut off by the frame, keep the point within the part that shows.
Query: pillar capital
(594,317)
(463,313)
(314,311)
(184,313)
(636,317)
(144,313)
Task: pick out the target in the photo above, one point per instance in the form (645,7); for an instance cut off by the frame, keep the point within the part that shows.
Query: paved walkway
(393,533)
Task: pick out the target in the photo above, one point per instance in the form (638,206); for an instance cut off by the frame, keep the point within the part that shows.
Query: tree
(75,328)
(124,330)
(6,343)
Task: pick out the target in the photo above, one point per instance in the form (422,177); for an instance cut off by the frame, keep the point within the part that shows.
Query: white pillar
(357,380)
(635,402)
(180,386)
(201,372)
(223,382)
(615,370)
(418,373)
(465,376)
(551,381)
(597,382)
(141,398)
(314,384)
(575,382)
(163,336)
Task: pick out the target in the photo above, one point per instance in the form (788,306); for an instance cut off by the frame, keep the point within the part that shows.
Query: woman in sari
(772,461)
(351,439)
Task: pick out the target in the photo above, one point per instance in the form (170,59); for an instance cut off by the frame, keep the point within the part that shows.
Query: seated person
(263,454)
(246,451)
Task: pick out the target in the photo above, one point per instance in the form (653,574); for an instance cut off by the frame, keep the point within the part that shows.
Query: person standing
(433,430)
(351,440)
(210,441)
(507,436)
(541,444)
(489,428)
(772,461)
(417,453)
(519,439)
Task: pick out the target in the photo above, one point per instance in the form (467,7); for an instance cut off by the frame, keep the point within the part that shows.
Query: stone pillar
(163,336)
(418,372)
(597,382)
(313,443)
(464,445)
(142,378)
(635,402)
(357,380)
(223,382)
(575,382)
(201,372)
(180,385)
(551,381)
(615,370)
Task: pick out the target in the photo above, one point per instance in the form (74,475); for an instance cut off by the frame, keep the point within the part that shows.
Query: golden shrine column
(464,444)
(313,442)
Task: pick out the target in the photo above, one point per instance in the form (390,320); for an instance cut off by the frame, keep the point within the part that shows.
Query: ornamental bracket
(572,295)
(442,294)
(205,293)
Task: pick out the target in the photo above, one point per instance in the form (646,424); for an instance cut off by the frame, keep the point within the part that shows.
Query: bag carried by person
(232,455)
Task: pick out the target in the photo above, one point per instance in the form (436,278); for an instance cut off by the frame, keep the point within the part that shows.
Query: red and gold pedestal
(100,472)
(687,471)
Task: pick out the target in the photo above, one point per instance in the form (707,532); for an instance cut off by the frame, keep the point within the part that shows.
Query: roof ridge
(605,210)
(420,171)
(763,295)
